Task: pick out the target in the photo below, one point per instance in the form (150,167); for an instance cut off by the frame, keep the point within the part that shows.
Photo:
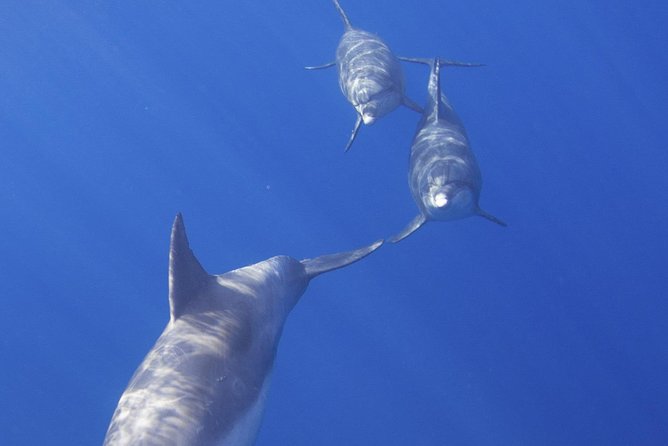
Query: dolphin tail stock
(443,62)
(320,67)
(413,226)
(344,16)
(186,274)
(330,262)
(491,218)
(353,134)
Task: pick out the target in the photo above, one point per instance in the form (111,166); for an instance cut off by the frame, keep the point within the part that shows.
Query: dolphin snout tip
(440,200)
(368,119)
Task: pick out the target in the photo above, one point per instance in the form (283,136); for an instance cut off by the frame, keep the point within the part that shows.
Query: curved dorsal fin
(186,275)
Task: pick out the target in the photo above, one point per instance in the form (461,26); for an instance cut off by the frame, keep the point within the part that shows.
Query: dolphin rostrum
(205,381)
(370,75)
(443,174)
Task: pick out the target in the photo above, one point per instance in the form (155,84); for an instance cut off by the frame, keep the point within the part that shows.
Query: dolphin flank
(205,381)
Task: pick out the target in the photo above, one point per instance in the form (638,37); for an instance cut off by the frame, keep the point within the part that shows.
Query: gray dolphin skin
(205,381)
(370,75)
(443,174)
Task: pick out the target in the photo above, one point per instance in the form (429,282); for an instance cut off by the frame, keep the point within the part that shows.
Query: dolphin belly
(247,427)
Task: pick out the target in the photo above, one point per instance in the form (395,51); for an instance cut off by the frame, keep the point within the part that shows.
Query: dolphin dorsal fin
(434,85)
(344,17)
(329,262)
(186,275)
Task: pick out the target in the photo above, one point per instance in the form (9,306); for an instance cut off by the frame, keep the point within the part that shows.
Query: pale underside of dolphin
(370,75)
(443,174)
(205,381)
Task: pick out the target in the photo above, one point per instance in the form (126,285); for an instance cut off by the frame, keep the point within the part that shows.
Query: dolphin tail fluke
(353,134)
(413,226)
(329,262)
(320,67)
(443,62)
(342,13)
(408,102)
(421,60)
(491,218)
(457,63)
(186,275)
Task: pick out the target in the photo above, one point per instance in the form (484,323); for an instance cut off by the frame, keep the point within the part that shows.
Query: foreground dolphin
(370,75)
(443,175)
(205,381)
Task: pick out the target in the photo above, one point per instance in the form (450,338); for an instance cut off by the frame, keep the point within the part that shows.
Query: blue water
(115,115)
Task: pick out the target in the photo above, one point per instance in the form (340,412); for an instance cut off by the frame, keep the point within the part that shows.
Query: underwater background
(116,115)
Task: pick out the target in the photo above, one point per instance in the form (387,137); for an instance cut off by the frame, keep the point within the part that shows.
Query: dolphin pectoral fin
(491,218)
(186,275)
(320,67)
(353,135)
(408,102)
(413,226)
(330,262)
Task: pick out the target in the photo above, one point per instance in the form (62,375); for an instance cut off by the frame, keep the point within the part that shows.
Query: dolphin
(370,75)
(205,381)
(443,175)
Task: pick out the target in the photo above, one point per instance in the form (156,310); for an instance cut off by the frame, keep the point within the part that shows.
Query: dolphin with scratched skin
(443,174)
(370,75)
(205,381)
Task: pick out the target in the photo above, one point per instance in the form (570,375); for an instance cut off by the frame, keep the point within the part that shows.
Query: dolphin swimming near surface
(205,381)
(443,174)
(370,75)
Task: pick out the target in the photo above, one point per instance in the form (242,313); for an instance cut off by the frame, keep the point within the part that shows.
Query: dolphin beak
(440,200)
(368,119)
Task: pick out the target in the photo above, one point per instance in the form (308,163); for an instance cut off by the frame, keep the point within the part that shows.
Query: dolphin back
(330,262)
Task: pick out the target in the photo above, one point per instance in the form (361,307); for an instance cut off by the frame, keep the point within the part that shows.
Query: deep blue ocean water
(115,115)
